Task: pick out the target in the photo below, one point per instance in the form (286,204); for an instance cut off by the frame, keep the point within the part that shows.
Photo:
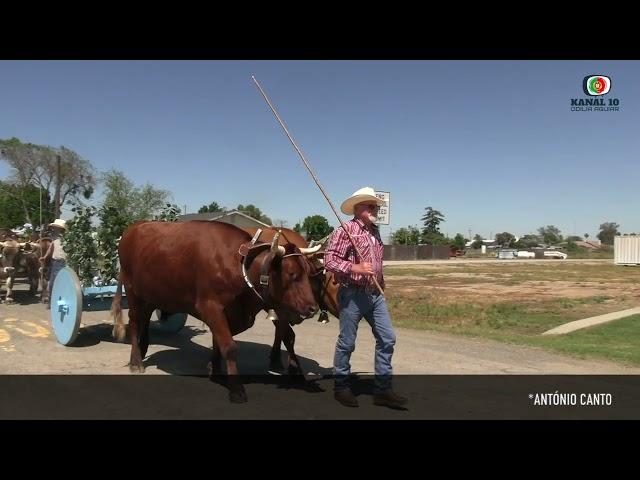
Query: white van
(555,254)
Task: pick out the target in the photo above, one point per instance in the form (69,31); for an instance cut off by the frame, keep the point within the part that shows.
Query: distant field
(516,302)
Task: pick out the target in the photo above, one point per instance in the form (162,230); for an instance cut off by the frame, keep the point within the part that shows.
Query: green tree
(213,207)
(528,241)
(608,231)
(80,245)
(133,203)
(254,212)
(505,239)
(586,237)
(431,234)
(36,165)
(571,244)
(574,238)
(113,223)
(431,221)
(316,227)
(169,213)
(400,236)
(550,234)
(459,241)
(434,239)
(477,242)
(22,205)
(406,236)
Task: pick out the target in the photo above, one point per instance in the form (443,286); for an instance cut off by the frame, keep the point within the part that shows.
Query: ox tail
(119,328)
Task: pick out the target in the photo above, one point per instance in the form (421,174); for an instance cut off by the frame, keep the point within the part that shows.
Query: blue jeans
(355,304)
(55,266)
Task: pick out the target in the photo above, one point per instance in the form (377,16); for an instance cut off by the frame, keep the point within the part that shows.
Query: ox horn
(275,248)
(310,250)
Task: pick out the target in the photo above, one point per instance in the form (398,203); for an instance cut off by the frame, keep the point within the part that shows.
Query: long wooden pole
(314,176)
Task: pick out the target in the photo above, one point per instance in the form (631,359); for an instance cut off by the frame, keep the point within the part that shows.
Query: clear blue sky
(491,144)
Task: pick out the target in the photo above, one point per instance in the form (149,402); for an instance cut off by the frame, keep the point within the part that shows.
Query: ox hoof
(9,301)
(136,368)
(295,371)
(238,396)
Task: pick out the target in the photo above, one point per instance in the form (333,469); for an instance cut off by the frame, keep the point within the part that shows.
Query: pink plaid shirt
(340,254)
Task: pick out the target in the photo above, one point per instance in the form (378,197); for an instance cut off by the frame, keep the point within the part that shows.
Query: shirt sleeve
(335,256)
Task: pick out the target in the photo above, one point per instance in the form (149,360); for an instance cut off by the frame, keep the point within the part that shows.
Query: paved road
(470,261)
(28,346)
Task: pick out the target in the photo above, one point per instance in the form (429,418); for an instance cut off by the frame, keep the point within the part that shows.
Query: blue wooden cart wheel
(66,306)
(170,322)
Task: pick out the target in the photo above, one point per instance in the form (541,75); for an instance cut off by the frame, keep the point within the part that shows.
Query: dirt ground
(613,287)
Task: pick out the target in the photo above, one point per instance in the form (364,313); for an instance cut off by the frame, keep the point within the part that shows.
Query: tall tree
(431,234)
(528,241)
(550,234)
(213,207)
(459,241)
(608,231)
(133,203)
(477,242)
(406,236)
(316,227)
(254,212)
(505,239)
(18,208)
(36,165)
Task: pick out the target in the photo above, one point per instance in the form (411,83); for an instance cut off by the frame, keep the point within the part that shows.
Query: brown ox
(17,262)
(195,267)
(325,289)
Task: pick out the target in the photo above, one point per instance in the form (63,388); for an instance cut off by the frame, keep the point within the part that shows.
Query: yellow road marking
(4,336)
(37,332)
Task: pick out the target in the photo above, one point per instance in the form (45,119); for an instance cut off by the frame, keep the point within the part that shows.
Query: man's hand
(364,268)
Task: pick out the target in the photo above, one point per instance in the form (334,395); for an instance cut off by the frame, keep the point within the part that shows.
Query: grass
(523,324)
(523,320)
(618,341)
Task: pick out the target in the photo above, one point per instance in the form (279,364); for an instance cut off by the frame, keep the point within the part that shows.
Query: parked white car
(555,254)
(525,254)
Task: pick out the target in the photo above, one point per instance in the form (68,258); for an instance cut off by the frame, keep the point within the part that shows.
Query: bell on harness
(324,317)
(271,315)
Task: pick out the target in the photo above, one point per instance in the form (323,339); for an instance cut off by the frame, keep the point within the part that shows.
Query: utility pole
(40,210)
(58,168)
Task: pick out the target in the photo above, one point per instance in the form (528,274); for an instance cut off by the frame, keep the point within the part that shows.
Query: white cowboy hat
(366,194)
(58,222)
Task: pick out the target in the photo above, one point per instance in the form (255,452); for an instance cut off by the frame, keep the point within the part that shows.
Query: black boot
(389,398)
(346,397)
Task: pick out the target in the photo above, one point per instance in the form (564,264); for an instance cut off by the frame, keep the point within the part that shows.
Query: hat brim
(349,204)
(55,225)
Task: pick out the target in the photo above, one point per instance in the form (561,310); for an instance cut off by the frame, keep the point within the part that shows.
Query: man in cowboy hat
(358,297)
(55,253)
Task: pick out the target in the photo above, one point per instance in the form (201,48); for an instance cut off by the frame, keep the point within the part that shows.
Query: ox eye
(295,277)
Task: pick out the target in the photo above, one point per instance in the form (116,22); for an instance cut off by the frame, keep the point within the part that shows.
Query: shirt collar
(373,227)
